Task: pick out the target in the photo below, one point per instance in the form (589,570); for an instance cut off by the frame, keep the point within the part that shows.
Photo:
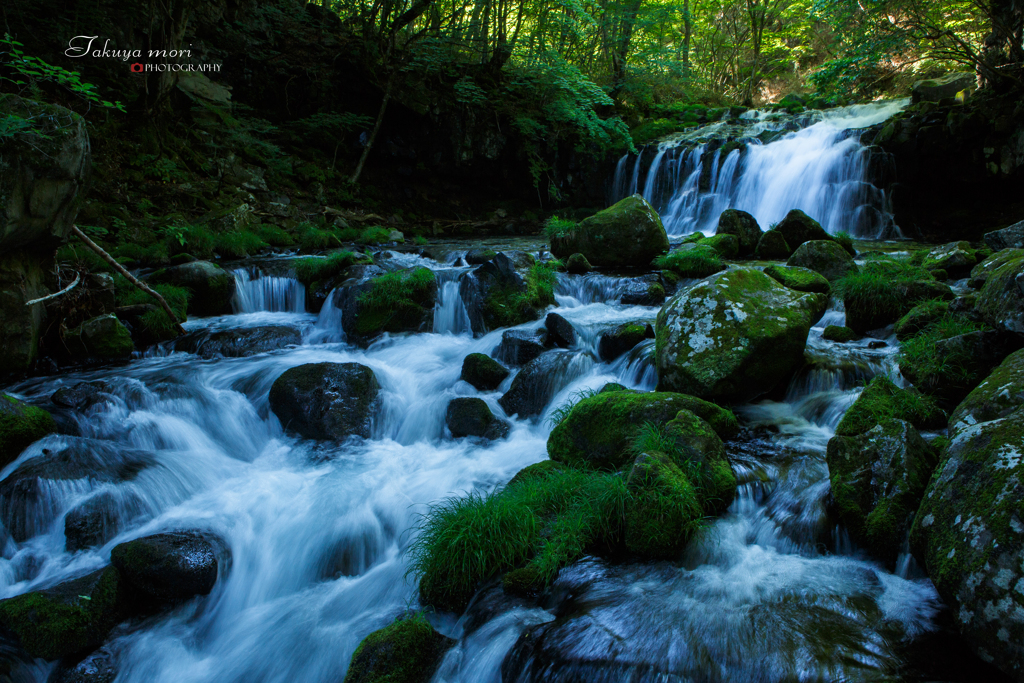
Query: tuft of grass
(919,353)
(394,300)
(316,269)
(879,288)
(312,238)
(156,322)
(237,245)
(697,262)
(556,227)
(273,235)
(559,414)
(845,240)
(374,235)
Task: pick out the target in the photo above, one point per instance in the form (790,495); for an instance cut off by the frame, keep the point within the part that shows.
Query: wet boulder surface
(483,372)
(629,233)
(239,343)
(170,567)
(472,417)
(326,400)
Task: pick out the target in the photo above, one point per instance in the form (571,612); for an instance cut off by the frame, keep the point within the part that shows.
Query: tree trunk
(376,128)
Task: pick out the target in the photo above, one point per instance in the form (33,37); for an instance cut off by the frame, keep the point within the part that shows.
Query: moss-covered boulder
(663,509)
(883,291)
(797,227)
(598,429)
(799,278)
(997,396)
(881,400)
(772,247)
(949,368)
(20,425)
(642,291)
(1011,237)
(744,226)
(70,618)
(326,400)
(496,295)
(406,651)
(479,255)
(733,336)
(981,272)
(622,338)
(920,317)
(167,568)
(628,233)
(825,257)
(1001,301)
(956,258)
(102,338)
(399,301)
(472,417)
(839,333)
(692,260)
(727,246)
(211,287)
(968,532)
(483,372)
(877,479)
(577,264)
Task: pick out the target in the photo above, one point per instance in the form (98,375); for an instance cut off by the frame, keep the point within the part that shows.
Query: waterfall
(255,292)
(822,169)
(450,314)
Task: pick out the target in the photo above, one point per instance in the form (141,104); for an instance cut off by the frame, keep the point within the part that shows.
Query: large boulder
(772,247)
(981,272)
(211,287)
(239,343)
(326,400)
(622,338)
(1011,237)
(744,226)
(733,336)
(489,291)
(877,479)
(399,301)
(577,264)
(537,383)
(998,396)
(799,278)
(519,347)
(1001,299)
(472,417)
(103,338)
(825,257)
(483,372)
(629,233)
(20,425)
(598,430)
(882,400)
(938,89)
(70,618)
(956,258)
(969,534)
(166,568)
(560,331)
(406,651)
(797,227)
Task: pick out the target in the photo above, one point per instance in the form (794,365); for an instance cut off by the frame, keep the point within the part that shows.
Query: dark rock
(21,425)
(239,343)
(772,247)
(537,383)
(1007,238)
(577,264)
(1001,299)
(103,337)
(629,233)
(955,258)
(326,400)
(519,347)
(560,331)
(406,651)
(797,227)
(981,272)
(976,354)
(839,334)
(472,417)
(479,287)
(98,519)
(620,339)
(878,344)
(520,259)
(483,372)
(964,305)
(81,396)
(643,291)
(166,568)
(744,226)
(938,89)
(405,305)
(211,287)
(97,667)
(825,257)
(475,257)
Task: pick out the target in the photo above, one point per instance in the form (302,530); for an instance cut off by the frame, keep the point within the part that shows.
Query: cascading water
(256,292)
(317,531)
(821,169)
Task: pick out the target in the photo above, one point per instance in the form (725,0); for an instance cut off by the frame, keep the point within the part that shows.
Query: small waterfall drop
(256,292)
(450,314)
(821,169)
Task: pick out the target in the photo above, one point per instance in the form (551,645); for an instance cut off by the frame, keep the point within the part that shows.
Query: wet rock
(867,312)
(211,287)
(881,400)
(974,355)
(326,400)
(620,339)
(727,246)
(519,347)
(69,618)
(825,257)
(629,233)
(475,257)
(81,396)
(399,301)
(560,331)
(981,272)
(956,258)
(472,417)
(406,651)
(1007,238)
(964,305)
(744,226)
(877,480)
(1001,299)
(97,667)
(577,264)
(21,424)
(733,336)
(163,569)
(920,317)
(938,89)
(996,397)
(96,520)
(491,286)
(839,334)
(537,383)
(102,338)
(239,343)
(520,259)
(643,291)
(799,278)
(797,227)
(598,430)
(772,247)
(968,533)
(483,372)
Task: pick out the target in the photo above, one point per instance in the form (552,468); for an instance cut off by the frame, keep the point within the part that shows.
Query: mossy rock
(799,278)
(733,336)
(211,287)
(998,396)
(67,619)
(956,259)
(825,257)
(968,534)
(577,264)
(406,651)
(483,372)
(981,272)
(598,429)
(878,479)
(622,338)
(102,337)
(663,509)
(326,400)
(21,425)
(772,247)
(743,226)
(628,233)
(401,301)
(468,416)
(537,470)
(797,227)
(881,400)
(475,257)
(1000,301)
(949,368)
(170,567)
(727,245)
(920,317)
(838,333)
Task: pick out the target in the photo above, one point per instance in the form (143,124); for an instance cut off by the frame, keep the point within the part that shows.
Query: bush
(556,227)
(156,323)
(317,269)
(274,235)
(236,245)
(697,262)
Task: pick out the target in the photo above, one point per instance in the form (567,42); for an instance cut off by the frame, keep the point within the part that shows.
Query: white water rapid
(821,169)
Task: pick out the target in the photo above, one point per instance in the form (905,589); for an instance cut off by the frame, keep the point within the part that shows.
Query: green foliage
(273,235)
(697,262)
(507,306)
(238,244)
(156,322)
(374,235)
(394,301)
(315,269)
(953,368)
(876,288)
(556,227)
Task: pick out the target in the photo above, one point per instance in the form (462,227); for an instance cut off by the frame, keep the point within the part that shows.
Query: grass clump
(274,235)
(693,263)
(156,323)
(238,245)
(883,291)
(845,240)
(318,269)
(508,306)
(395,302)
(556,227)
(882,400)
(374,235)
(312,238)
(943,369)
(191,239)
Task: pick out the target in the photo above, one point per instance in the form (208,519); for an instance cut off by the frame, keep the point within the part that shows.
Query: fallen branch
(131,278)
(78,278)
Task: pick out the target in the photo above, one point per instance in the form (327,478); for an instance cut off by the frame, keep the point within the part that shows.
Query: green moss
(156,323)
(846,242)
(238,244)
(727,246)
(882,400)
(950,368)
(697,262)
(316,269)
(395,301)
(839,334)
(406,651)
(374,235)
(508,306)
(883,291)
(800,279)
(273,235)
(21,425)
(663,510)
